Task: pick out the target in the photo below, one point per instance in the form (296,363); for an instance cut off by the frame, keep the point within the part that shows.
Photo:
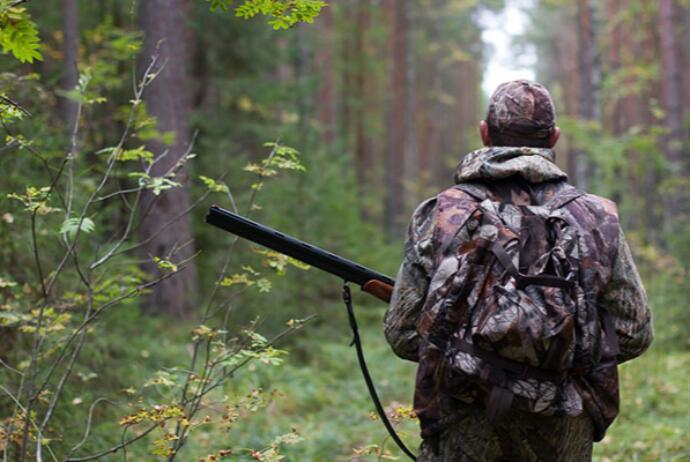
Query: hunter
(518,297)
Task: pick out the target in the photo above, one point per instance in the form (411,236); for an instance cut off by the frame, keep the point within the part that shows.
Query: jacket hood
(493,163)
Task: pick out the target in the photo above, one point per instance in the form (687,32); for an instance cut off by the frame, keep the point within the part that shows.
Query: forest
(132,330)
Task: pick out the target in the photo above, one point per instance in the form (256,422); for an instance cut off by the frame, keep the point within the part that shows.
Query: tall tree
(589,75)
(70,56)
(396,12)
(671,79)
(672,100)
(165,230)
(362,148)
(411,173)
(324,63)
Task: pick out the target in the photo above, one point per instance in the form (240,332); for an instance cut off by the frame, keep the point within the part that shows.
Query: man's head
(521,113)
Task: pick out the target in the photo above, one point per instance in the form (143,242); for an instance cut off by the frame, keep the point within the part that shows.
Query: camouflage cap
(521,108)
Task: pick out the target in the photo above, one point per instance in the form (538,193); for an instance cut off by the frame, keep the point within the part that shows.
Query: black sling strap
(357,342)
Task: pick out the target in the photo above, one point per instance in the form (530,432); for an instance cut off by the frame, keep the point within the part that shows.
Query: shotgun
(372,282)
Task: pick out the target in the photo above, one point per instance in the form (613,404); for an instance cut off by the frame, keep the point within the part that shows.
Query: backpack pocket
(534,326)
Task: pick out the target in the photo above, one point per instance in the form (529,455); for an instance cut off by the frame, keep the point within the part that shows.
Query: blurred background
(330,123)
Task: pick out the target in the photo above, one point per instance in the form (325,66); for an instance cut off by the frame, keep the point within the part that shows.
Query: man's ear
(555,134)
(484,133)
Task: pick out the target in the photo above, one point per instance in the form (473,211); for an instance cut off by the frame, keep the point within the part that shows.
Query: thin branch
(114,448)
(4,364)
(88,425)
(13,103)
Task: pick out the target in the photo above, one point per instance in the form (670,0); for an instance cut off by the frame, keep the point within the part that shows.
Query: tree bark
(324,63)
(672,83)
(589,83)
(396,116)
(70,57)
(347,20)
(363,156)
(672,100)
(614,65)
(166,36)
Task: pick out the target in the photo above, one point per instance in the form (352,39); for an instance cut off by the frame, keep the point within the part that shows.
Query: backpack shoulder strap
(563,197)
(454,208)
(478,192)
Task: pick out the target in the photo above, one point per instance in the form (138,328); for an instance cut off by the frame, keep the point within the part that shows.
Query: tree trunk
(671,78)
(166,36)
(672,103)
(363,160)
(324,63)
(644,185)
(347,21)
(589,80)
(614,65)
(396,116)
(411,174)
(70,55)
(684,19)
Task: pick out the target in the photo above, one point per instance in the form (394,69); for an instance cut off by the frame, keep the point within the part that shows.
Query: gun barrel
(293,247)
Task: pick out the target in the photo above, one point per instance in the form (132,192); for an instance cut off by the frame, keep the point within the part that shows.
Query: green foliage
(283,14)
(249,277)
(213,185)
(35,200)
(10,111)
(18,33)
(123,155)
(72,225)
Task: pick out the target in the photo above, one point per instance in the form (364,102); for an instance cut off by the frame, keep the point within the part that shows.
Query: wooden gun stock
(378,289)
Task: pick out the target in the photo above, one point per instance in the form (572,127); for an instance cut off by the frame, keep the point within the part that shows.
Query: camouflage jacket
(520,176)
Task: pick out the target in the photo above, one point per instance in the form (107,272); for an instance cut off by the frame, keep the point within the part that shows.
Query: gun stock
(374,283)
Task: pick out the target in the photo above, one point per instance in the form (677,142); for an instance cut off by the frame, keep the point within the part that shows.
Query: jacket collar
(493,163)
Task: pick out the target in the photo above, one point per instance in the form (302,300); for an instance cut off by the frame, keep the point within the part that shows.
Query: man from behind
(518,297)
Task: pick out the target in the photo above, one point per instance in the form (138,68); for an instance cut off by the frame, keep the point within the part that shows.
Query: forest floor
(325,399)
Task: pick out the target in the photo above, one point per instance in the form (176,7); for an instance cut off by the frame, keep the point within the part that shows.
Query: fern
(18,33)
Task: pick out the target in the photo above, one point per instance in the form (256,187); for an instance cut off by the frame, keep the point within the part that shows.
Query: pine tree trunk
(363,160)
(346,18)
(671,78)
(396,116)
(166,36)
(614,65)
(589,79)
(672,103)
(70,55)
(411,174)
(324,63)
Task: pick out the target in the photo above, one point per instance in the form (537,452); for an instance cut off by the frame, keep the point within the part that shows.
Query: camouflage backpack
(511,316)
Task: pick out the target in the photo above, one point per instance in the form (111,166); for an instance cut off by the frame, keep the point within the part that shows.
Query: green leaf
(19,35)
(213,185)
(165,264)
(124,155)
(72,225)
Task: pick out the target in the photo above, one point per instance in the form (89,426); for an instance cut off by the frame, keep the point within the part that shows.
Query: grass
(655,410)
